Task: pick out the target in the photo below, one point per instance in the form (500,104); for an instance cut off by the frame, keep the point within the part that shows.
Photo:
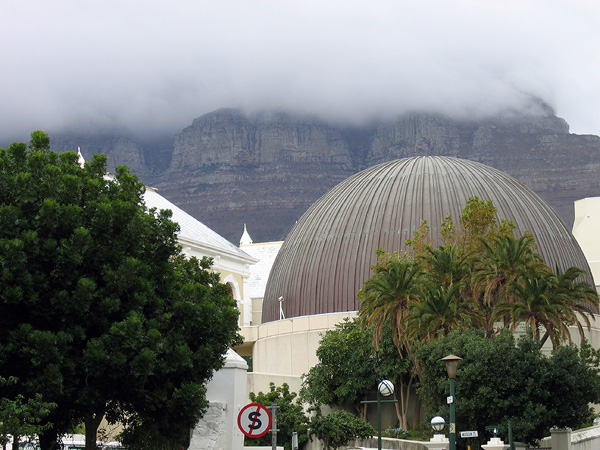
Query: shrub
(339,428)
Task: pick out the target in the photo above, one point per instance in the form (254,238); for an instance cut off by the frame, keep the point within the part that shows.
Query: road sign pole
(274,429)
(254,420)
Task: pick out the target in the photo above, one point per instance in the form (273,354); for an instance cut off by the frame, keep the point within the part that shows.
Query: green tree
(498,382)
(20,417)
(506,261)
(580,296)
(350,368)
(99,312)
(338,428)
(539,304)
(344,375)
(439,311)
(290,416)
(388,295)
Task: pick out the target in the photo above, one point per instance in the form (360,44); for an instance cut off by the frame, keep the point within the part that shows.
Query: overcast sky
(154,65)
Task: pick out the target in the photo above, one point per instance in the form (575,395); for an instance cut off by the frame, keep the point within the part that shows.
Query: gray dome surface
(328,255)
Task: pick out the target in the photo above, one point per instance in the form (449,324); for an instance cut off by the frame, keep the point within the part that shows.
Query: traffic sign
(468,434)
(254,420)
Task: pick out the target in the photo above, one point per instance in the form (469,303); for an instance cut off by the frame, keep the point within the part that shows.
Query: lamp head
(451,365)
(438,423)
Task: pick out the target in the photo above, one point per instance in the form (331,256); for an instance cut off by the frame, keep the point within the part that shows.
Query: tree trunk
(398,409)
(362,409)
(92,422)
(545,338)
(400,406)
(417,413)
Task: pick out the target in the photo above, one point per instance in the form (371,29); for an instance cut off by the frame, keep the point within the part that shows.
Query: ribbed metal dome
(328,255)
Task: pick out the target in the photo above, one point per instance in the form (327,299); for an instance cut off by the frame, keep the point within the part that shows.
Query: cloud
(153,66)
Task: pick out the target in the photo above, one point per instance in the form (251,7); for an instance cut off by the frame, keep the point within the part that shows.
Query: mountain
(265,169)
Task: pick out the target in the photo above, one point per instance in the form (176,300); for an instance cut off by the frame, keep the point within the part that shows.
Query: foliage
(498,382)
(350,368)
(480,277)
(20,417)
(99,312)
(387,296)
(338,428)
(344,374)
(290,416)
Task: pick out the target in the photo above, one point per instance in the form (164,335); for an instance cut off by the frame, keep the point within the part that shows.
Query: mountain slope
(265,169)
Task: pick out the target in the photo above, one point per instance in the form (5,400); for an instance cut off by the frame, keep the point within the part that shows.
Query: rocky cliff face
(266,169)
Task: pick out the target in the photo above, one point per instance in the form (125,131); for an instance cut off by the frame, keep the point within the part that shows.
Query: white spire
(245,239)
(80,156)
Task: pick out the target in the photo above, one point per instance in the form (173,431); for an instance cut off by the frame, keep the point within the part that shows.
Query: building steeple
(81,161)
(245,239)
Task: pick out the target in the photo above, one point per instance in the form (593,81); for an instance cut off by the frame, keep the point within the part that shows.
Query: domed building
(328,255)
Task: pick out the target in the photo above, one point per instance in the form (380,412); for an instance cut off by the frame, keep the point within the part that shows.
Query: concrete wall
(288,346)
(226,392)
(585,230)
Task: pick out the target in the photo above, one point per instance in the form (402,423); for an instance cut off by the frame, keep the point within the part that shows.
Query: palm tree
(388,295)
(539,304)
(552,300)
(579,296)
(445,265)
(440,310)
(506,261)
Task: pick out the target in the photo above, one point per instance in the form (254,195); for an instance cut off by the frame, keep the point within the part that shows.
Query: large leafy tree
(99,313)
(350,368)
(498,382)
(346,372)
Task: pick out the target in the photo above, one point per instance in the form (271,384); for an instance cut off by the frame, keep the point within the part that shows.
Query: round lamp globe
(386,388)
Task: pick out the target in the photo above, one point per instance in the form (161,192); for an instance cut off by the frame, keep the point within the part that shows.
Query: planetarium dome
(328,255)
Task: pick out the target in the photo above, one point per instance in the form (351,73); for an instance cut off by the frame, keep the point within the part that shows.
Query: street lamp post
(386,388)
(451,366)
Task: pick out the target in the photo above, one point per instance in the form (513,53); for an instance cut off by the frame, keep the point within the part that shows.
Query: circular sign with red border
(254,420)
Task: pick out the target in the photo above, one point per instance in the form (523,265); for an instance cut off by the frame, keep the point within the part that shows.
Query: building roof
(265,253)
(328,255)
(191,229)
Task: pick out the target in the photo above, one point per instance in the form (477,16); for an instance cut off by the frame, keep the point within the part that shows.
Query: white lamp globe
(438,423)
(386,388)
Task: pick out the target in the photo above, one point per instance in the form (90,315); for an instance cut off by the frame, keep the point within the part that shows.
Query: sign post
(274,428)
(254,420)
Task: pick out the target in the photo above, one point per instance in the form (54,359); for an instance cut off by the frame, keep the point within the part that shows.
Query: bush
(290,417)
(339,428)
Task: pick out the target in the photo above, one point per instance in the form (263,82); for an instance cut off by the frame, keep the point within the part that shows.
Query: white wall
(226,392)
